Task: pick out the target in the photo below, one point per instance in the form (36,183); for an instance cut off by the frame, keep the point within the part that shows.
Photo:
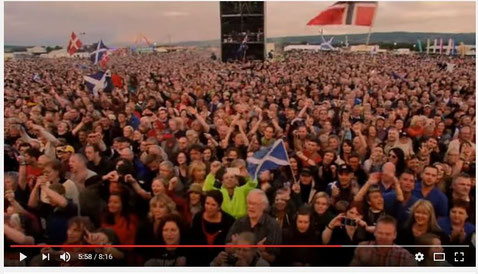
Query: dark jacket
(218,231)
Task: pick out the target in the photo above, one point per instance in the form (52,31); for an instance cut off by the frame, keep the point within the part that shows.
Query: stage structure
(242,30)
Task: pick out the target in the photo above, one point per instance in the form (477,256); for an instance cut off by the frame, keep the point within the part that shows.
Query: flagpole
(370,29)
(368,36)
(291,170)
(290,166)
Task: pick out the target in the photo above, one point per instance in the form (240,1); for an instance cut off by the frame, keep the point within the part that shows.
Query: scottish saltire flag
(81,66)
(267,159)
(36,77)
(397,76)
(100,81)
(97,55)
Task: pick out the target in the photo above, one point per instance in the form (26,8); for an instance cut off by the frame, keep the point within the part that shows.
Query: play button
(22,257)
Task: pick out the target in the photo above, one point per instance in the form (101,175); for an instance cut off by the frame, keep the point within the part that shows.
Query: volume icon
(65,257)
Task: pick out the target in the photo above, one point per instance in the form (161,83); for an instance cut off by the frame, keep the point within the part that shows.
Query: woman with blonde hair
(128,132)
(176,126)
(422,220)
(197,172)
(149,233)
(417,126)
(321,211)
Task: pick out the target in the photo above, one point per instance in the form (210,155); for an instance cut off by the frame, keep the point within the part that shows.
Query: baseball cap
(195,187)
(404,134)
(306,172)
(66,148)
(344,168)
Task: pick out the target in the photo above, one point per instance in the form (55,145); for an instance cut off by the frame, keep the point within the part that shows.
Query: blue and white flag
(267,159)
(97,55)
(241,51)
(81,66)
(398,76)
(36,77)
(100,81)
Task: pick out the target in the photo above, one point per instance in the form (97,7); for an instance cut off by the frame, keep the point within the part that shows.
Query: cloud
(175,13)
(50,23)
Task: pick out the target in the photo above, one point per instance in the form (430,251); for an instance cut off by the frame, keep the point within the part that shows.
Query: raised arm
(327,233)
(10,196)
(34,195)
(199,118)
(225,142)
(398,189)
(54,197)
(373,180)
(78,127)
(45,133)
(137,188)
(244,136)
(256,126)
(17,236)
(22,172)
(211,177)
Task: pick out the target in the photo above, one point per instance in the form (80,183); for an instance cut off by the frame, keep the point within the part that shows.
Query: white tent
(302,47)
(36,50)
(161,50)
(82,55)
(58,53)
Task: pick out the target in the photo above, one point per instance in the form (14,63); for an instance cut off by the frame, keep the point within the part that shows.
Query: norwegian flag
(346,13)
(74,44)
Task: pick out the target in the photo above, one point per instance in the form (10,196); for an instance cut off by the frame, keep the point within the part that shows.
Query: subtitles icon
(439,257)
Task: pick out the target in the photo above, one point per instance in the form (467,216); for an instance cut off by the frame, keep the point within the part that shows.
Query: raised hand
(215,166)
(296,188)
(335,191)
(337,221)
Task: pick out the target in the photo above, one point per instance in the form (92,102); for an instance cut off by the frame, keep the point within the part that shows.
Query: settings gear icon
(419,257)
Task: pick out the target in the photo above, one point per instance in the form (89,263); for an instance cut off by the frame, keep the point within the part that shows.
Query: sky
(51,23)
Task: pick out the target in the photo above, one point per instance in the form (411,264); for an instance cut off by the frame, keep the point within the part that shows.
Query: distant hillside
(380,37)
(376,37)
(12,48)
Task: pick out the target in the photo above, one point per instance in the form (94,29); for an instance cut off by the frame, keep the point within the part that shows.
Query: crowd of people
(381,151)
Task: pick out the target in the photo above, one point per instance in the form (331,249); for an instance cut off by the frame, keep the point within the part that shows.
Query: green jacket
(237,205)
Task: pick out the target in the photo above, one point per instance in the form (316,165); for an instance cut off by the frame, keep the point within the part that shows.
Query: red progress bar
(174,246)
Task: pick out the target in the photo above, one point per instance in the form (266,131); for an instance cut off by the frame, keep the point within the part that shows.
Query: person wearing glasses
(397,157)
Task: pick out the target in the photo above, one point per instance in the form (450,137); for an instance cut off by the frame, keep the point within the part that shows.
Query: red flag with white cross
(74,44)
